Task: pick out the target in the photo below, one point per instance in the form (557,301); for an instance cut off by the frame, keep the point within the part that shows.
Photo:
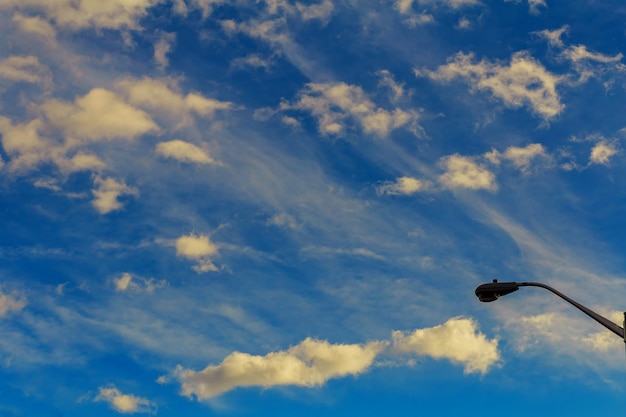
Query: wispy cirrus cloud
(10,303)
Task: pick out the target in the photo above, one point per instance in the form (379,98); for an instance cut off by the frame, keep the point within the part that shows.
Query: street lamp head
(491,292)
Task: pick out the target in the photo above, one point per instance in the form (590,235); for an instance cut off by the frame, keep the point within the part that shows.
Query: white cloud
(602,152)
(163,47)
(457,340)
(403,186)
(128,282)
(35,25)
(310,363)
(110,14)
(283,220)
(10,303)
(164,95)
(24,68)
(333,103)
(464,172)
(100,114)
(107,193)
(198,248)
(533,5)
(184,152)
(125,403)
(328,251)
(524,82)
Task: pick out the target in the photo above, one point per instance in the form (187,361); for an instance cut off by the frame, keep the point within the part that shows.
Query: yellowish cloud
(184,152)
(164,96)
(125,403)
(333,103)
(100,114)
(107,193)
(403,186)
(198,248)
(35,25)
(310,363)
(523,82)
(457,340)
(24,68)
(9,303)
(602,152)
(464,172)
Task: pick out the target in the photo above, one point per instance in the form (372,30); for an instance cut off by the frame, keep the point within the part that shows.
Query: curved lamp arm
(494,290)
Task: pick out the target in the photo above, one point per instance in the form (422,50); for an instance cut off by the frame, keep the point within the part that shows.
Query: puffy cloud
(457,340)
(464,172)
(523,82)
(107,193)
(163,95)
(24,144)
(602,152)
(310,363)
(125,403)
(198,248)
(333,103)
(110,14)
(403,186)
(10,303)
(520,157)
(405,6)
(184,152)
(100,114)
(34,25)
(24,68)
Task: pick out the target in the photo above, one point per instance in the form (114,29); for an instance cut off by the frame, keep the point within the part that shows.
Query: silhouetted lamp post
(494,290)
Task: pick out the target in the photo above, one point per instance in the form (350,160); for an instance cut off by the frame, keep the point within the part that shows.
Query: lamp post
(494,290)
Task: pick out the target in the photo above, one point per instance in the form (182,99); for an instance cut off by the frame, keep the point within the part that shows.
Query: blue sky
(282,208)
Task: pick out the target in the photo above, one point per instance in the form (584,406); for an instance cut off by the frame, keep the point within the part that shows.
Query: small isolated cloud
(125,403)
(310,363)
(283,220)
(162,47)
(553,36)
(520,157)
(184,152)
(324,251)
(198,248)
(100,114)
(534,6)
(403,186)
(164,96)
(387,80)
(107,193)
(602,152)
(524,82)
(464,172)
(24,68)
(332,104)
(10,303)
(457,340)
(128,282)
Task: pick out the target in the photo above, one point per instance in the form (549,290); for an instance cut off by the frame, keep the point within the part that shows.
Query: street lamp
(494,290)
